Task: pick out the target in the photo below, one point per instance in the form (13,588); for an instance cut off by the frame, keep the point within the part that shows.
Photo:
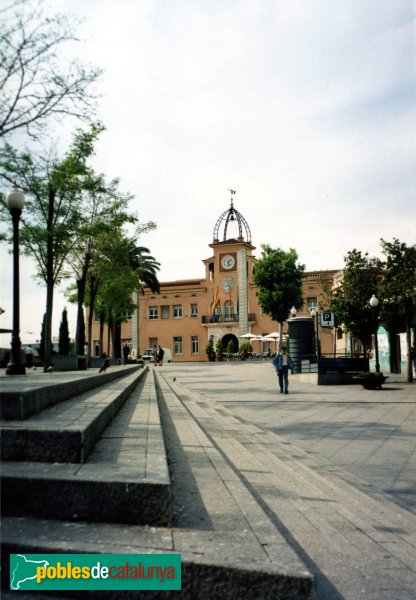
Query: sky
(305,108)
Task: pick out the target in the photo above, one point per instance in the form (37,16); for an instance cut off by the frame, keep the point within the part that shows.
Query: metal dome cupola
(231,216)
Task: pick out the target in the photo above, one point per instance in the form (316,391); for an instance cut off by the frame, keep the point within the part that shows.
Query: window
(177,311)
(194,310)
(153,312)
(312,303)
(194,344)
(228,309)
(152,343)
(165,311)
(177,345)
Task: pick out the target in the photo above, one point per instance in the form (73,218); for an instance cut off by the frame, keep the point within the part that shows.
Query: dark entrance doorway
(230,337)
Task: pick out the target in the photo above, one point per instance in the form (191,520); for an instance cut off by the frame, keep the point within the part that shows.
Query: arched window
(228,309)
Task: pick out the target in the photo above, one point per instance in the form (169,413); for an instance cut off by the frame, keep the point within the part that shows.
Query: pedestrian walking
(106,363)
(155,356)
(160,354)
(282,363)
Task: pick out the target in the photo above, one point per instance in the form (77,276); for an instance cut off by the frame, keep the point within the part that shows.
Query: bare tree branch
(35,83)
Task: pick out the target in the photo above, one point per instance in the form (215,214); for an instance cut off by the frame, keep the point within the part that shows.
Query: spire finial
(232,192)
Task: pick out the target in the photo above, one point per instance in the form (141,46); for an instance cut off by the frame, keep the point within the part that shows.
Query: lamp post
(15,201)
(314,315)
(374,305)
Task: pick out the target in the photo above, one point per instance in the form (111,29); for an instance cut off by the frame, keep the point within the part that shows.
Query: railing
(330,364)
(248,356)
(226,319)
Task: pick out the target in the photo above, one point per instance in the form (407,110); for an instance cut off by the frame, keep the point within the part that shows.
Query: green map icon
(23,569)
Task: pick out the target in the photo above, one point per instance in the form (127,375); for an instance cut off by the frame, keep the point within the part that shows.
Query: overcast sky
(305,107)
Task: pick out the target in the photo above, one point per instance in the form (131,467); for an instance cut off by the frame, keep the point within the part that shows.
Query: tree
(278,276)
(50,220)
(41,349)
(209,350)
(64,341)
(34,83)
(350,302)
(123,268)
(398,306)
(104,210)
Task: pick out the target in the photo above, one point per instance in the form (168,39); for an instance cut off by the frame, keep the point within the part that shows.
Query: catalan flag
(215,302)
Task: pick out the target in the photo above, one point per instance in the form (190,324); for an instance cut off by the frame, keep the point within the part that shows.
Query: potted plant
(219,349)
(209,350)
(370,380)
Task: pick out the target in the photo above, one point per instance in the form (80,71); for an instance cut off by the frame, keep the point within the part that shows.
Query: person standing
(282,363)
(160,355)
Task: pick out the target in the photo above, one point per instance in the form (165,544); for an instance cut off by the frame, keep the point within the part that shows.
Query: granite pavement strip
(345,496)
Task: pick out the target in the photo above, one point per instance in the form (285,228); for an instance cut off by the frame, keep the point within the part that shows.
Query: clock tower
(230,271)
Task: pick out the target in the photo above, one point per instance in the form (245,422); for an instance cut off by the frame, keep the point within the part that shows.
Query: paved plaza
(367,434)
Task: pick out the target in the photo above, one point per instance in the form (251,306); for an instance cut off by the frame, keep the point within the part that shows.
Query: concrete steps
(123,477)
(32,395)
(68,431)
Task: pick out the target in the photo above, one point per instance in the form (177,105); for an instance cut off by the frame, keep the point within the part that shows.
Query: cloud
(307,109)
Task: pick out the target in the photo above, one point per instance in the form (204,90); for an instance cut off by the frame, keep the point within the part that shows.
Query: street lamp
(374,305)
(314,315)
(293,311)
(15,201)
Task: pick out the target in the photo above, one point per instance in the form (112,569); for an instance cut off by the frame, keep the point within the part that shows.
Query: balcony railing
(208,320)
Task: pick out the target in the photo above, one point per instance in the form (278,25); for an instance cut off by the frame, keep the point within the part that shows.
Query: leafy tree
(209,350)
(104,210)
(50,219)
(398,306)
(278,276)
(64,340)
(34,82)
(350,302)
(219,348)
(123,268)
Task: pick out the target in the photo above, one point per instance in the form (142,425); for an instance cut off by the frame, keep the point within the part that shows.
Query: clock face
(228,262)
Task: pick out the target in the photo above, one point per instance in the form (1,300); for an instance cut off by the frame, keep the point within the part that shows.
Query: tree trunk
(93,294)
(79,336)
(81,287)
(49,280)
(101,333)
(117,339)
(47,361)
(280,337)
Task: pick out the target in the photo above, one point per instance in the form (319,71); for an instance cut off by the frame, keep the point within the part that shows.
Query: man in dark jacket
(282,363)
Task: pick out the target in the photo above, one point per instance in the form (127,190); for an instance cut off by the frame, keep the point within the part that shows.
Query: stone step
(67,432)
(124,480)
(215,566)
(37,392)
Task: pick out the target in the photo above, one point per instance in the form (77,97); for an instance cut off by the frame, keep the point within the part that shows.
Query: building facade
(222,304)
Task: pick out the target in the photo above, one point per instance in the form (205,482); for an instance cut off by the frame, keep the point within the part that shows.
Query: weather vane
(232,192)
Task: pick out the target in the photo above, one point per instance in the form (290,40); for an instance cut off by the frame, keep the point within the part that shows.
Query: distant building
(181,318)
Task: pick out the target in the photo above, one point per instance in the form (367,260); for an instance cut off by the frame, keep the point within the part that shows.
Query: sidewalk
(357,540)
(369,435)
